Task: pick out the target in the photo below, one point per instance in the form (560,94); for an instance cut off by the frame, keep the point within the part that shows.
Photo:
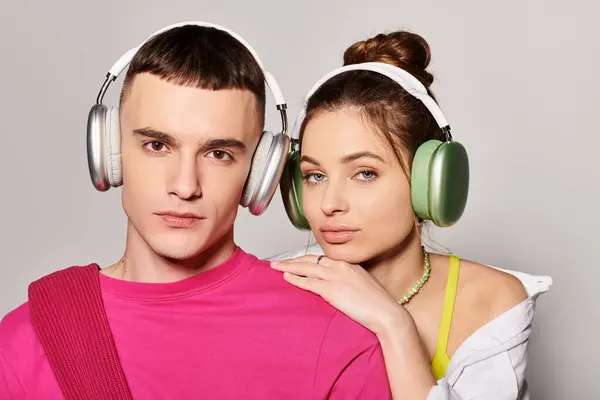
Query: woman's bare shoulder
(494,291)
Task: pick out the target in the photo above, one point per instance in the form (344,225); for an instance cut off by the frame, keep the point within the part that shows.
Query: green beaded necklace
(415,289)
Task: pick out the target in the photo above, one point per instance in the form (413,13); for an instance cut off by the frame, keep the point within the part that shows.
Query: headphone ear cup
(96,152)
(291,191)
(420,178)
(440,182)
(259,163)
(113,148)
(449,184)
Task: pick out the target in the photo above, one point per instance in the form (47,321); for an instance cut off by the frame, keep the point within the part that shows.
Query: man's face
(186,154)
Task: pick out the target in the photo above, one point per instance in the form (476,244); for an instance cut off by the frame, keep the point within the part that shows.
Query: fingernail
(275,263)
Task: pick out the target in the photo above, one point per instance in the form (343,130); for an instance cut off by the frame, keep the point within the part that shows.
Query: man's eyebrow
(230,143)
(225,142)
(154,134)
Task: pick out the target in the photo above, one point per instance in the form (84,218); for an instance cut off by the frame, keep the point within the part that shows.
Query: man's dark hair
(202,57)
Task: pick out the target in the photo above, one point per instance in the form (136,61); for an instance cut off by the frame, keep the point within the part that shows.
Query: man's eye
(155,146)
(220,155)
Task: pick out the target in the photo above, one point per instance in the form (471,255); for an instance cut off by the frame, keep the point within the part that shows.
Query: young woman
(449,328)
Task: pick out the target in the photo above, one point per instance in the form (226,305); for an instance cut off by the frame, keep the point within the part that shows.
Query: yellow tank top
(440,359)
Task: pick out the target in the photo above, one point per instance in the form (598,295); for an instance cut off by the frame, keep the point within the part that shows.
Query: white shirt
(491,363)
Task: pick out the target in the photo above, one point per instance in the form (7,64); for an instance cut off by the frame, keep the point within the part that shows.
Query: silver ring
(319,259)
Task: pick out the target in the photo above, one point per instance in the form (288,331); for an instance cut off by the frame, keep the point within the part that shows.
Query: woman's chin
(346,252)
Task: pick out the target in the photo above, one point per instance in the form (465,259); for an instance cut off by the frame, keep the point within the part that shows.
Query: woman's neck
(399,269)
(142,264)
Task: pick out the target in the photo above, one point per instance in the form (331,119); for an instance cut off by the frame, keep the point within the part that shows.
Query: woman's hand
(347,287)
(356,293)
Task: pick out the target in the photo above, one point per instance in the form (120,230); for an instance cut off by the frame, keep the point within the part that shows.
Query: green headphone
(439,172)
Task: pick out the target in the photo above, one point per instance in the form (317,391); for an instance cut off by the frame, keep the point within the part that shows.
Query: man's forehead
(189,111)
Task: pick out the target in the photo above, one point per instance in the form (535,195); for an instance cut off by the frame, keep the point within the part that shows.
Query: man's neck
(142,264)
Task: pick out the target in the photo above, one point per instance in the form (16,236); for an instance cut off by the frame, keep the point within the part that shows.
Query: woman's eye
(367,175)
(314,178)
(318,177)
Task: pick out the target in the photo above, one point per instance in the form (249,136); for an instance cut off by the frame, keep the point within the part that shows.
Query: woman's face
(356,196)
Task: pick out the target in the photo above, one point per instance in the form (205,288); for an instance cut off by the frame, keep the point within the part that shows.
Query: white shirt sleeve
(500,377)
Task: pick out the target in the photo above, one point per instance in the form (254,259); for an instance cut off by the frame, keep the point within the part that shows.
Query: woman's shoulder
(502,288)
(494,290)
(500,299)
(493,313)
(488,289)
(487,293)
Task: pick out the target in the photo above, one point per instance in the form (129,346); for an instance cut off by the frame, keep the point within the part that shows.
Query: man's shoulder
(269,285)
(19,350)
(16,331)
(313,249)
(336,323)
(16,328)
(16,321)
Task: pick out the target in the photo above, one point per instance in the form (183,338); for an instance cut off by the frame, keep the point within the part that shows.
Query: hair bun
(402,49)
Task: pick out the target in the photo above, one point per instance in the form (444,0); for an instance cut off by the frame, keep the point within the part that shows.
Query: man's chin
(178,247)
(178,253)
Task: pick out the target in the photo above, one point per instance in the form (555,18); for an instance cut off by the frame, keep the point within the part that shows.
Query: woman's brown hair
(402,119)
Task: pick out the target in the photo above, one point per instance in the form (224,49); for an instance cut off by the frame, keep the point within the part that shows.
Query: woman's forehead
(342,132)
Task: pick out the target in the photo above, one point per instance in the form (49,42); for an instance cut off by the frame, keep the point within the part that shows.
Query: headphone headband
(406,80)
(123,61)
(104,135)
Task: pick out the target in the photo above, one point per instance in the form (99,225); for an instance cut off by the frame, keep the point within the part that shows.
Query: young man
(191,314)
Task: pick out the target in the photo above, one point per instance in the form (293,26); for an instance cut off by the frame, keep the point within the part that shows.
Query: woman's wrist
(405,354)
(393,322)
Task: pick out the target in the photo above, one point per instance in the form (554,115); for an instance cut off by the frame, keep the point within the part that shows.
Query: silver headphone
(104,136)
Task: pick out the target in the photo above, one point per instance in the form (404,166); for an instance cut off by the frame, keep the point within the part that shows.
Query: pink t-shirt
(238,331)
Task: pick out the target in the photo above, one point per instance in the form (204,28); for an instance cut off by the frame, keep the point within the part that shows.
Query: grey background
(516,80)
